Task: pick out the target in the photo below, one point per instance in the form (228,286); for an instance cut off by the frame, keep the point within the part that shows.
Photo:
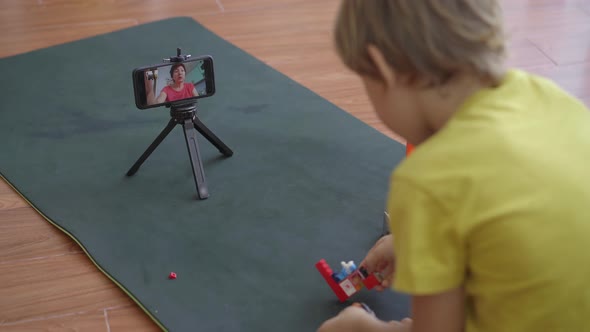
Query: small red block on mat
(172,275)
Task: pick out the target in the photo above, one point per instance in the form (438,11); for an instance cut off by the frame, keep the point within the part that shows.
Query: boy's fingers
(387,271)
(375,262)
(367,263)
(370,261)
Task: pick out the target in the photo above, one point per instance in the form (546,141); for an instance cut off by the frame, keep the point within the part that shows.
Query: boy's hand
(350,319)
(381,259)
(356,319)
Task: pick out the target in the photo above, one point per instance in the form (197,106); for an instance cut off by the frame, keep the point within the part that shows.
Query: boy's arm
(356,319)
(444,312)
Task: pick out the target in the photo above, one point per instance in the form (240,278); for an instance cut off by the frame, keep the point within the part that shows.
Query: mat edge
(63,230)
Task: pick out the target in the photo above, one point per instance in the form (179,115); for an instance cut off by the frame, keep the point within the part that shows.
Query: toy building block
(348,281)
(371,280)
(409,149)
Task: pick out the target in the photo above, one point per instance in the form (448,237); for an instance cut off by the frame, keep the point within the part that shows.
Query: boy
(491,212)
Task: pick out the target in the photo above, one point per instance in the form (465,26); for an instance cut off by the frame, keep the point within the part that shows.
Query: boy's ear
(384,69)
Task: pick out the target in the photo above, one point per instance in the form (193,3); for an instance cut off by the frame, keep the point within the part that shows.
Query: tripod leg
(192,145)
(208,134)
(152,147)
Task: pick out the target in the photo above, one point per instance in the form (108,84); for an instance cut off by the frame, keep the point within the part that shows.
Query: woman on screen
(178,90)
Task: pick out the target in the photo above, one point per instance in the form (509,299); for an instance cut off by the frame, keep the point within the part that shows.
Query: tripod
(186,115)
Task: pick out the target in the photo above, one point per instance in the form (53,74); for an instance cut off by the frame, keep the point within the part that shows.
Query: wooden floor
(48,284)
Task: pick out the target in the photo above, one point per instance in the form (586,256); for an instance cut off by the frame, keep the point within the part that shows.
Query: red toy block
(371,281)
(344,285)
(172,275)
(409,149)
(326,272)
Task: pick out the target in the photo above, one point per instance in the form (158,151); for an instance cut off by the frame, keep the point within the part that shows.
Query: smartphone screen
(175,82)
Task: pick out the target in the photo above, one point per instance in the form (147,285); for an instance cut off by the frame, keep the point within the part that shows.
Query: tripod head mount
(178,58)
(183,111)
(182,106)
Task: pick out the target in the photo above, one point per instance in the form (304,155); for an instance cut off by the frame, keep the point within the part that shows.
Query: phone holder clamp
(178,58)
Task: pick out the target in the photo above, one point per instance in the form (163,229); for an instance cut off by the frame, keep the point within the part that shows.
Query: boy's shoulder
(497,128)
(522,94)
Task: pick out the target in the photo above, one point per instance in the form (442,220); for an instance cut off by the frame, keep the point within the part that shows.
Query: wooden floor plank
(528,6)
(5,188)
(249,5)
(54,286)
(544,18)
(44,24)
(124,319)
(566,49)
(41,37)
(82,321)
(574,78)
(25,235)
(9,200)
(525,54)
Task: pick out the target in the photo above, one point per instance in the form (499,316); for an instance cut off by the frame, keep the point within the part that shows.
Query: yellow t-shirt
(499,201)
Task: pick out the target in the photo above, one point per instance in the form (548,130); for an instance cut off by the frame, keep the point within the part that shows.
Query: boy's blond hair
(425,41)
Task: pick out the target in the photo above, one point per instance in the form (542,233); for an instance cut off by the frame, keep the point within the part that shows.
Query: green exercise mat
(307,181)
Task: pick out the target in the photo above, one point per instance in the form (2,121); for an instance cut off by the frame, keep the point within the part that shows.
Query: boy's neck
(440,104)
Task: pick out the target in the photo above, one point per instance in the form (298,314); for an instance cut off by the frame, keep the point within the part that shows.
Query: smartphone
(174,82)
